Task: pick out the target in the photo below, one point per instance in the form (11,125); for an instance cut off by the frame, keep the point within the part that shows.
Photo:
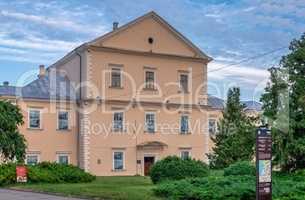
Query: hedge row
(238,183)
(46,172)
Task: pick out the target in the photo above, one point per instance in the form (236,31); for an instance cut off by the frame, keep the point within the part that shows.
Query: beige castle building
(119,103)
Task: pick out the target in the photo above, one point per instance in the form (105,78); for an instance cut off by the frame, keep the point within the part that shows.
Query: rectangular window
(150,80)
(118,160)
(150,122)
(212,126)
(116,77)
(185,155)
(63,120)
(32,159)
(184,82)
(184,124)
(34,119)
(63,159)
(118,121)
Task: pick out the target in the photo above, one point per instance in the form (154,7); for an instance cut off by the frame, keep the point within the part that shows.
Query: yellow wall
(49,141)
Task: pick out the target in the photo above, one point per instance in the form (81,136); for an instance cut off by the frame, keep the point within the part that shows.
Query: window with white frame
(150,122)
(118,160)
(212,126)
(32,159)
(116,77)
(34,118)
(118,121)
(184,124)
(185,155)
(149,79)
(184,85)
(63,120)
(63,159)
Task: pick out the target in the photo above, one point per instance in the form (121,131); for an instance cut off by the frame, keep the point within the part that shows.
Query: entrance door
(148,162)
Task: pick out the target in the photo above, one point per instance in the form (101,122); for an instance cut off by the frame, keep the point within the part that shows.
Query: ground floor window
(118,160)
(185,155)
(32,159)
(63,159)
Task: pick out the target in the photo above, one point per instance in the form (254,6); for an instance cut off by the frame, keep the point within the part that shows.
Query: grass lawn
(114,188)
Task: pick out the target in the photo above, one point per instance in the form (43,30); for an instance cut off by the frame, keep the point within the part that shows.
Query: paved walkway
(16,195)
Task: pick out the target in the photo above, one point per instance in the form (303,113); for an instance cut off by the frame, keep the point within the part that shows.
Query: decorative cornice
(144,103)
(143,53)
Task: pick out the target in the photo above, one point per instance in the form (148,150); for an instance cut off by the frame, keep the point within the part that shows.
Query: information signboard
(263,164)
(21,173)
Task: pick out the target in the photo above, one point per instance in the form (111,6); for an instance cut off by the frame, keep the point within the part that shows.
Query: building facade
(119,103)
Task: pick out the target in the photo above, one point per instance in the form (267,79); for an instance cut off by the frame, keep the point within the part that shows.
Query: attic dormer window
(150,40)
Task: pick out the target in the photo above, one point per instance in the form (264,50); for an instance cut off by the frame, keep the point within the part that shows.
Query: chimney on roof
(42,71)
(115,25)
(6,83)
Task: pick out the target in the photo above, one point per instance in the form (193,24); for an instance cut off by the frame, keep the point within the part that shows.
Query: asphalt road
(16,195)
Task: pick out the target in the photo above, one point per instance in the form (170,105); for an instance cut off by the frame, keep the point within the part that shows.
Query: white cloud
(224,59)
(58,23)
(38,43)
(249,9)
(243,74)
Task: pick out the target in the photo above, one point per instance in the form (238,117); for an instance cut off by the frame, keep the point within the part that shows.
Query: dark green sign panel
(263,164)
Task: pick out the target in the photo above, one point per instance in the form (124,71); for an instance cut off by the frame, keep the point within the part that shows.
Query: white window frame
(120,69)
(123,122)
(40,118)
(155,122)
(189,152)
(188,124)
(32,154)
(209,126)
(58,112)
(62,154)
(188,82)
(113,167)
(154,82)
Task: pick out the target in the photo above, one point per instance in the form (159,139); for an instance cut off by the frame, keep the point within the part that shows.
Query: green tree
(284,106)
(235,139)
(12,143)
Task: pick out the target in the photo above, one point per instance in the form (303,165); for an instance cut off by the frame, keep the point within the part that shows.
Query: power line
(248,59)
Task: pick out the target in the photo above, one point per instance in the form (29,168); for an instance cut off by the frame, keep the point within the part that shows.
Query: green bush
(211,188)
(7,174)
(240,168)
(284,187)
(46,172)
(174,168)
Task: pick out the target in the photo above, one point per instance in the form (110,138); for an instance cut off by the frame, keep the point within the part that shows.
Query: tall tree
(12,143)
(284,106)
(235,139)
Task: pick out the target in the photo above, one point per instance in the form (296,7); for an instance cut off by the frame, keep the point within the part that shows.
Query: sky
(244,37)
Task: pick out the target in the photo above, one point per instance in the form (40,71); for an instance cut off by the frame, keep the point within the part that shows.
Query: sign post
(263,164)
(21,174)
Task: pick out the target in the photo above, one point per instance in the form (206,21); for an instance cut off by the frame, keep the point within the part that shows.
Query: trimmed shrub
(211,188)
(46,172)
(240,168)
(285,186)
(174,168)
